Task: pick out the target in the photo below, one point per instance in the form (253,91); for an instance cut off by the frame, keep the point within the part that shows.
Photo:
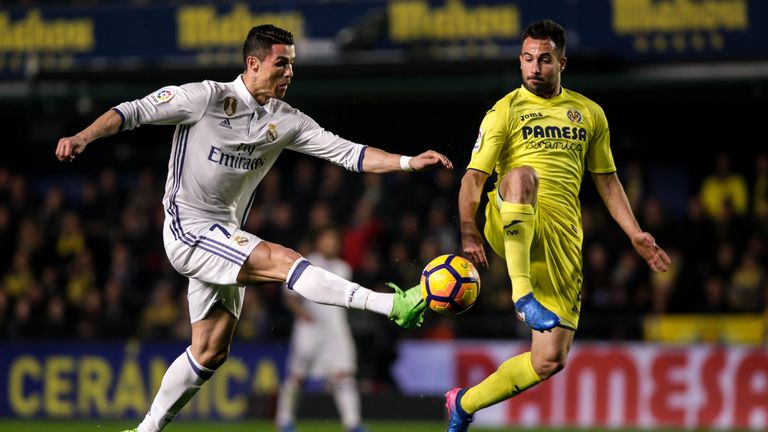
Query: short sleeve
(494,132)
(599,156)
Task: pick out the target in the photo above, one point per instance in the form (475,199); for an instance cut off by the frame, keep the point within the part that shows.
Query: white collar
(250,101)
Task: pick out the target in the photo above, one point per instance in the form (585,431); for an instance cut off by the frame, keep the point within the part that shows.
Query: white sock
(287,402)
(347,401)
(181,381)
(322,286)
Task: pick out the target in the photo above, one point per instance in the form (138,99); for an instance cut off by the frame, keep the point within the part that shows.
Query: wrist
(405,163)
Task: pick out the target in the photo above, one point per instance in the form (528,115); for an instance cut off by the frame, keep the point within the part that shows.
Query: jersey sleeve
(494,131)
(313,140)
(599,156)
(169,105)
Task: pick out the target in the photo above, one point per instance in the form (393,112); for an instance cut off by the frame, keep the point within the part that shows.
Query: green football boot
(407,307)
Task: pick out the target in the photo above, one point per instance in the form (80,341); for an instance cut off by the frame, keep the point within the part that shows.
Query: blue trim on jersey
(236,255)
(360,159)
(300,267)
(206,375)
(244,216)
(181,136)
(122,117)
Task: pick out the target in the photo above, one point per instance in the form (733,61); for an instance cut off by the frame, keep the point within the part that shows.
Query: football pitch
(261,426)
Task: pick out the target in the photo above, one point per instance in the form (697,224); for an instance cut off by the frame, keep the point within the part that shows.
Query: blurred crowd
(83,258)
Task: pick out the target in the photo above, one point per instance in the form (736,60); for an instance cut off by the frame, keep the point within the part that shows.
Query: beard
(545,89)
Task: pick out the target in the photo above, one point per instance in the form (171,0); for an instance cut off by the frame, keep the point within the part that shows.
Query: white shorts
(318,354)
(211,256)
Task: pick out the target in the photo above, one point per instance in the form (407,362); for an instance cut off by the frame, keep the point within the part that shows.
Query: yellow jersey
(558,137)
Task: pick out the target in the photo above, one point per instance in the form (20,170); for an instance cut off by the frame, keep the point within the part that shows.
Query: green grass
(259,426)
(189,426)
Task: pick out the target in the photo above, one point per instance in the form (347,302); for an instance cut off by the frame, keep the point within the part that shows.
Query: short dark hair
(547,29)
(260,39)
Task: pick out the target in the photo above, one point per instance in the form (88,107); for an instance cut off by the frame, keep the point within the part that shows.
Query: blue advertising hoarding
(119,380)
(131,37)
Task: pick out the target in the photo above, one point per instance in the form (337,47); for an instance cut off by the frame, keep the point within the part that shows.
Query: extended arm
(107,124)
(469,200)
(380,161)
(612,193)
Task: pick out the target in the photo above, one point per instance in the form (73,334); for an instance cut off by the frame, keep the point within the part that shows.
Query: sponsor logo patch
(230,106)
(162,96)
(271,132)
(574,116)
(478,141)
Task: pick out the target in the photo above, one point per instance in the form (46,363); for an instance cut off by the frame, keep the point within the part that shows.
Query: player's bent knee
(274,253)
(288,256)
(546,368)
(212,358)
(520,184)
(268,261)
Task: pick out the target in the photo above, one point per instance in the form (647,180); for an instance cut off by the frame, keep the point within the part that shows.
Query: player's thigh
(208,251)
(202,297)
(268,262)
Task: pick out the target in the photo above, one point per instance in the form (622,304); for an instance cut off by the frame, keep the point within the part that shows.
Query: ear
(252,63)
(563,61)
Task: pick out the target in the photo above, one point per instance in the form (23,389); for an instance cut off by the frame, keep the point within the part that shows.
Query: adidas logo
(225,124)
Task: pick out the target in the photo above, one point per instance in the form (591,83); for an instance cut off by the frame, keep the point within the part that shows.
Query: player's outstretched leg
(535,315)
(407,306)
(458,419)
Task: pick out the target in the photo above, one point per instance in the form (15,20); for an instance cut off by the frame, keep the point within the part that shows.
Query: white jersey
(324,345)
(224,144)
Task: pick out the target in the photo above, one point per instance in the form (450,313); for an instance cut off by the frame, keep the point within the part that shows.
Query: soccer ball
(450,284)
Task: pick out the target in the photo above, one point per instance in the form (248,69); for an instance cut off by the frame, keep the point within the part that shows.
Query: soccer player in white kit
(228,135)
(321,344)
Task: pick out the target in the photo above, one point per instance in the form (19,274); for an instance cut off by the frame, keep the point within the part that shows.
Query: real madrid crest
(230,106)
(241,241)
(574,116)
(271,132)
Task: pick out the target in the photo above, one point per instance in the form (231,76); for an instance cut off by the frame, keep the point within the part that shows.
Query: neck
(250,84)
(557,90)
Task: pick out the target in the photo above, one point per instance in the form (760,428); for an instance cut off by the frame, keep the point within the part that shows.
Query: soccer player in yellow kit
(539,139)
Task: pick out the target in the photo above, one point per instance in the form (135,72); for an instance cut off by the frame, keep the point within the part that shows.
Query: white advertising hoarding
(605,384)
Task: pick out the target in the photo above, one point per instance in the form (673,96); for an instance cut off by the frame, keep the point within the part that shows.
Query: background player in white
(228,135)
(321,344)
